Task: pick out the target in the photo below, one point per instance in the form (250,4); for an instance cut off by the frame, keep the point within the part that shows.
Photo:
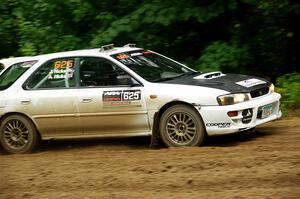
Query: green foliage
(149,19)
(224,56)
(269,30)
(288,86)
(240,36)
(235,35)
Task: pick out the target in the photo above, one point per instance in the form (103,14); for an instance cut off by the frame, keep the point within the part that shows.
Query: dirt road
(264,164)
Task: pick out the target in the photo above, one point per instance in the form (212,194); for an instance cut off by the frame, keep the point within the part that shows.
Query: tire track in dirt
(263,164)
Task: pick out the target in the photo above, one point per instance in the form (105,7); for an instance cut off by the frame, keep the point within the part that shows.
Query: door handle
(25,101)
(86,100)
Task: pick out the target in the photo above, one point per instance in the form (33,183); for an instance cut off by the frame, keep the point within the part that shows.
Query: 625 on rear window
(131,95)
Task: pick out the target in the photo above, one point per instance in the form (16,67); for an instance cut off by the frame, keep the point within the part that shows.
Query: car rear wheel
(181,125)
(18,134)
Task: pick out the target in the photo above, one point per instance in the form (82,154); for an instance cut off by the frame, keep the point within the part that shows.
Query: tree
(232,35)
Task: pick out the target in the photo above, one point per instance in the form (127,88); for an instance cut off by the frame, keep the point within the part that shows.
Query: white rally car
(125,91)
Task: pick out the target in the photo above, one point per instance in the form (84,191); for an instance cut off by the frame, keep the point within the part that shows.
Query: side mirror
(127,80)
(1,67)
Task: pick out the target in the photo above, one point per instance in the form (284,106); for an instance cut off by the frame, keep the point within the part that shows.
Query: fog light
(232,113)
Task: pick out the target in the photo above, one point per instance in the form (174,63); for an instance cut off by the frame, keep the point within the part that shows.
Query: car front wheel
(18,134)
(181,125)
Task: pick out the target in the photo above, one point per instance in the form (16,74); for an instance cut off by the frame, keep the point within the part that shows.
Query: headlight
(272,88)
(232,98)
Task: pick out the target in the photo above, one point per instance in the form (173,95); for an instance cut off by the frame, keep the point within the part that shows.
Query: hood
(233,83)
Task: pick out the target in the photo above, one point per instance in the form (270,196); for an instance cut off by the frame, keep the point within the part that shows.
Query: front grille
(259,92)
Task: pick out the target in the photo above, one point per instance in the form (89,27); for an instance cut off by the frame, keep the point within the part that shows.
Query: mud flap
(155,138)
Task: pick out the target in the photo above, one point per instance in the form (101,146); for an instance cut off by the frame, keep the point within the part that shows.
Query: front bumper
(217,122)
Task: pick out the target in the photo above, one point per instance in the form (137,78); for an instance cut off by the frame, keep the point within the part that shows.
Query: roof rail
(130,45)
(107,47)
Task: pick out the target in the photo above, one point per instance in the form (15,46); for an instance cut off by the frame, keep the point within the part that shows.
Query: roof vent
(107,47)
(130,45)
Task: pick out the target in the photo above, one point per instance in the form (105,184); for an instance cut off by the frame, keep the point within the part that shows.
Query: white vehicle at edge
(125,91)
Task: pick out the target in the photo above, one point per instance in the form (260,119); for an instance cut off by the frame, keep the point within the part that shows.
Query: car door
(110,101)
(50,98)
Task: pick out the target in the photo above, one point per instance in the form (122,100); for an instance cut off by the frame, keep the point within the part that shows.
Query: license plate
(266,111)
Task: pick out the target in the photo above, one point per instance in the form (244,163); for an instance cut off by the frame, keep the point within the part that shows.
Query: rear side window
(58,73)
(9,76)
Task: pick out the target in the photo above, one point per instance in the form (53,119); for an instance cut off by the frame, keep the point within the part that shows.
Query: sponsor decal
(61,74)
(247,116)
(219,125)
(121,97)
(250,82)
(111,96)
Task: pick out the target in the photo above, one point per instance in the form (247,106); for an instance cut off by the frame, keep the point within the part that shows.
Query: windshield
(11,74)
(151,66)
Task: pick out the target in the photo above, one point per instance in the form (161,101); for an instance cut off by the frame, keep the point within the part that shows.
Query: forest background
(256,37)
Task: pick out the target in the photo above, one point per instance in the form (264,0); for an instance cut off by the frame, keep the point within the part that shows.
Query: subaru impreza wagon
(125,91)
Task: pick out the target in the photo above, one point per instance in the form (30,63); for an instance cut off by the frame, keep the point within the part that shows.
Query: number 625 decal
(131,95)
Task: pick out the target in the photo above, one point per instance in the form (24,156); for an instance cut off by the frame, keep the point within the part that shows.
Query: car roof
(85,52)
(8,61)
(91,52)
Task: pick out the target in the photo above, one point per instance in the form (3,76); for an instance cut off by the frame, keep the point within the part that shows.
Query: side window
(13,72)
(100,72)
(58,73)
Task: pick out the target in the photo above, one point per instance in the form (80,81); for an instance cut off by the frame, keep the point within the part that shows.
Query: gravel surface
(261,164)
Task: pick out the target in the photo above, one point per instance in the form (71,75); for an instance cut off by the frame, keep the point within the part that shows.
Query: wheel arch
(24,115)
(172,103)
(156,140)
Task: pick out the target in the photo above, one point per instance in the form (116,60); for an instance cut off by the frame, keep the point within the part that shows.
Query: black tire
(18,134)
(181,125)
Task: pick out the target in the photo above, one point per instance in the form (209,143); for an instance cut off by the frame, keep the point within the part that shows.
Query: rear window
(10,75)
